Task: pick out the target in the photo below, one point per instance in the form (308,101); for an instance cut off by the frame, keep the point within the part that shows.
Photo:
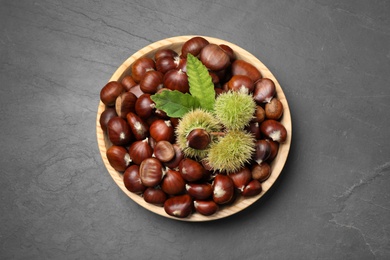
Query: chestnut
(164,151)
(193,46)
(125,103)
(191,170)
(241,67)
(144,106)
(155,196)
(200,191)
(128,82)
(274,150)
(162,130)
(180,206)
(198,139)
(206,207)
(132,181)
(274,109)
(173,183)
(105,116)
(179,155)
(274,130)
(140,67)
(151,172)
(140,150)
(214,57)
(263,151)
(259,114)
(118,157)
(110,92)
(252,189)
(229,51)
(176,79)
(261,172)
(241,83)
(166,64)
(264,90)
(254,128)
(118,131)
(152,81)
(164,53)
(138,127)
(241,178)
(223,189)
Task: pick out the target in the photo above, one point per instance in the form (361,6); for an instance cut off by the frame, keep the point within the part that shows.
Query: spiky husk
(232,151)
(197,118)
(234,109)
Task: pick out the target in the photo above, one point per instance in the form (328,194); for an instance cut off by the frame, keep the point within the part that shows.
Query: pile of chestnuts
(143,139)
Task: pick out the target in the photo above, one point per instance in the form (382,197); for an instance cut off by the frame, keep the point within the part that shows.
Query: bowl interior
(240,203)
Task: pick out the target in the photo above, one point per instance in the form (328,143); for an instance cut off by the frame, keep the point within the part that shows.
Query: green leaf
(175,103)
(201,84)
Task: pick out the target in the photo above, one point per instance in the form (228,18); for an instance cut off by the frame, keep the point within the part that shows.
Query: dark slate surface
(332,200)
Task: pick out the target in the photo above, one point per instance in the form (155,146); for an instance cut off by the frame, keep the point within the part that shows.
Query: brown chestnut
(252,189)
(229,51)
(144,106)
(206,207)
(155,196)
(259,114)
(223,189)
(274,109)
(125,103)
(179,155)
(241,67)
(110,92)
(191,170)
(173,183)
(263,151)
(176,79)
(164,53)
(254,128)
(140,67)
(151,172)
(241,178)
(138,127)
(273,130)
(162,130)
(241,83)
(198,139)
(166,64)
(164,151)
(118,131)
(200,191)
(140,150)
(128,82)
(152,81)
(214,57)
(132,181)
(118,157)
(261,172)
(274,150)
(105,116)
(180,206)
(193,46)
(264,91)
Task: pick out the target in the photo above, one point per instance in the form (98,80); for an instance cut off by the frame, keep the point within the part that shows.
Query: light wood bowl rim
(241,203)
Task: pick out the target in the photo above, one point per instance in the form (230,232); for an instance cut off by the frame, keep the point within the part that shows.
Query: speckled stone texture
(332,200)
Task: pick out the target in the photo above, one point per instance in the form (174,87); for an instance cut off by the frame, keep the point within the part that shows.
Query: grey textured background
(332,59)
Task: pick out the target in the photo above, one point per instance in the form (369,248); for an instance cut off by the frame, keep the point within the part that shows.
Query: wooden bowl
(241,203)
